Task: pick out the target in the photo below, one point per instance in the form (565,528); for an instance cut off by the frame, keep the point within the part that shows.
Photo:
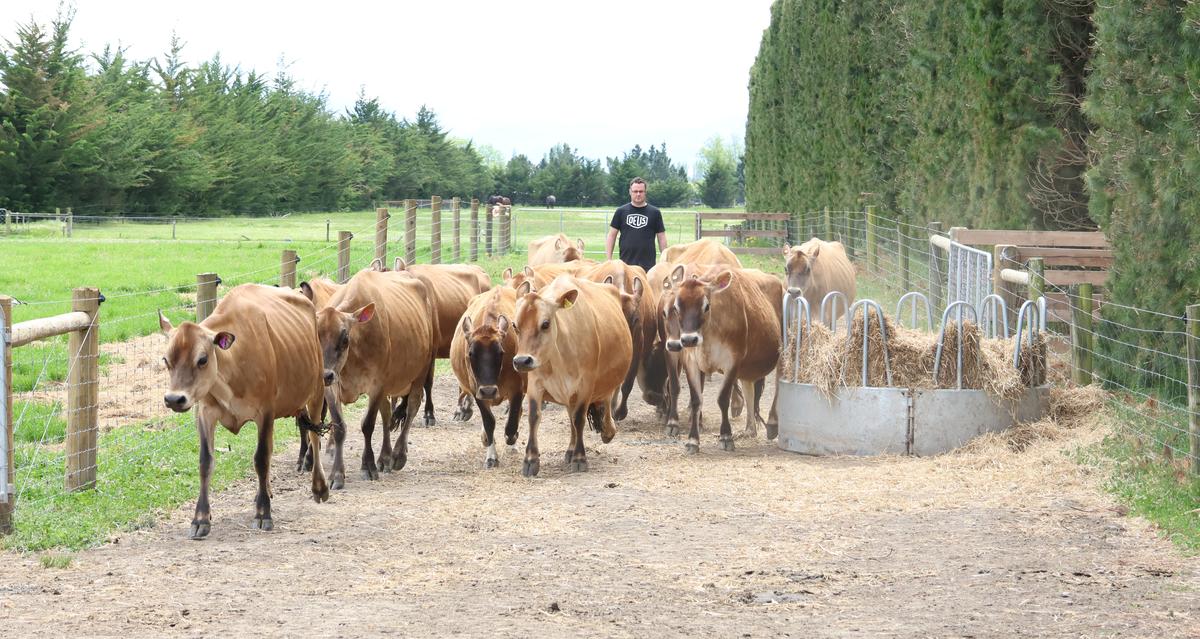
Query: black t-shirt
(638,227)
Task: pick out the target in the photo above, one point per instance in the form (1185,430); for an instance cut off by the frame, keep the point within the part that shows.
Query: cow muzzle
(329,377)
(795,291)
(487,392)
(177,402)
(691,339)
(674,345)
(525,363)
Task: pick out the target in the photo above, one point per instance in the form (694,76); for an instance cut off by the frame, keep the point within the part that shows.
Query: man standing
(639,224)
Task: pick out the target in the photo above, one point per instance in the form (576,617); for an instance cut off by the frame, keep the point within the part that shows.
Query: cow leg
(430,420)
(671,398)
(773,416)
(696,389)
(728,384)
(620,412)
(532,455)
(369,469)
(262,466)
(400,450)
(387,417)
(739,401)
(304,461)
(463,414)
(202,520)
(578,455)
(490,460)
(750,389)
(514,420)
(320,490)
(337,472)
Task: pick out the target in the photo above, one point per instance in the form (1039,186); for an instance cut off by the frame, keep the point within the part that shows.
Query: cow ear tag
(224,340)
(568,303)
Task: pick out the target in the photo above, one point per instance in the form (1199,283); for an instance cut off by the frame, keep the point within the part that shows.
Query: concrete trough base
(898,421)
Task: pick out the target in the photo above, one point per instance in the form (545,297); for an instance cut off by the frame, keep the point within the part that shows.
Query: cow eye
(166,363)
(545,325)
(343,339)
(202,362)
(705,306)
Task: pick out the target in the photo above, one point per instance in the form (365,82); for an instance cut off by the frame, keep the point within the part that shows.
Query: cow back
(551,249)
(702,251)
(452,286)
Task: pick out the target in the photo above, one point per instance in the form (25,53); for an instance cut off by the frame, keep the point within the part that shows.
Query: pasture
(1012,532)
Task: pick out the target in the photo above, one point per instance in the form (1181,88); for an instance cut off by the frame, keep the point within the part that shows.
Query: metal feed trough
(869,420)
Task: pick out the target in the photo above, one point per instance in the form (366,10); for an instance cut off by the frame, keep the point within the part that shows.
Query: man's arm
(609,242)
(662,241)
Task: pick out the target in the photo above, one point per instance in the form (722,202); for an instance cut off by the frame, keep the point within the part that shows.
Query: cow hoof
(337,482)
(727,444)
(570,457)
(772,431)
(531,468)
(370,473)
(691,448)
(200,530)
(430,420)
(461,416)
(321,495)
(672,430)
(491,463)
(621,413)
(398,461)
(578,466)
(263,523)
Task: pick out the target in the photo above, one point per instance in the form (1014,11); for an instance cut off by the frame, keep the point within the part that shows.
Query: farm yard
(1013,534)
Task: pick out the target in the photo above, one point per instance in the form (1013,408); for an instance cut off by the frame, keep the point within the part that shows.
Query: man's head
(637,192)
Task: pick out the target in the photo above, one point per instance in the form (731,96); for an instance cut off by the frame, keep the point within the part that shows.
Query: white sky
(519,76)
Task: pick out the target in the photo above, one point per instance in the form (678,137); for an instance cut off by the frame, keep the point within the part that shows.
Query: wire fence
(130,427)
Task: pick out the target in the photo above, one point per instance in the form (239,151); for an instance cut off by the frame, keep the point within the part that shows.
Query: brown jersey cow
(817,267)
(703,251)
(255,358)
(726,325)
(481,355)
(377,339)
(453,287)
(553,249)
(574,346)
(319,290)
(640,317)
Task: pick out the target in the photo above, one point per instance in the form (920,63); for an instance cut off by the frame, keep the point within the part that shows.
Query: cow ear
(377,264)
(164,324)
(558,244)
(677,274)
(224,340)
(787,249)
(567,299)
(723,281)
(608,280)
(637,288)
(306,290)
(365,313)
(466,325)
(812,253)
(579,243)
(525,288)
(502,324)
(400,265)
(507,274)
(528,271)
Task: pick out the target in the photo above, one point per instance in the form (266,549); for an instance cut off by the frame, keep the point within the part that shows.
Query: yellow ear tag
(568,303)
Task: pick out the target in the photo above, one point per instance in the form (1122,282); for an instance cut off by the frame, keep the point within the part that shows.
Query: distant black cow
(550,201)
(499,199)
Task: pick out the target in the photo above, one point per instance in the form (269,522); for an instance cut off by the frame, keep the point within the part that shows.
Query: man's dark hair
(637,180)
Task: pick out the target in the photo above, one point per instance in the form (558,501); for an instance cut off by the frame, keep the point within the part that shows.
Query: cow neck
(221,390)
(729,306)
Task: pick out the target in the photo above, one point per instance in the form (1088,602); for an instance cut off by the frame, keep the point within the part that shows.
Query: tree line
(1054,114)
(107,134)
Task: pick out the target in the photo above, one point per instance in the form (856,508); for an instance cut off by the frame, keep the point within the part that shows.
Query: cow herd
(563,330)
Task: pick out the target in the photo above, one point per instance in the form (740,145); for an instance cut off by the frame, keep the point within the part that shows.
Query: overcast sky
(519,76)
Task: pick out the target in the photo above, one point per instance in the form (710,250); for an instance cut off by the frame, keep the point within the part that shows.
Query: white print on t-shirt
(636,220)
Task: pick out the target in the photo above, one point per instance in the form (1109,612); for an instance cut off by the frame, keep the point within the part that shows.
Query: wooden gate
(738,227)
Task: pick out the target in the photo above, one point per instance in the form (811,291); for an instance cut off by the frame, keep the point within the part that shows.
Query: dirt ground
(649,542)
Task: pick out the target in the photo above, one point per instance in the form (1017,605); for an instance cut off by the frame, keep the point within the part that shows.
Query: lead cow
(574,344)
(255,358)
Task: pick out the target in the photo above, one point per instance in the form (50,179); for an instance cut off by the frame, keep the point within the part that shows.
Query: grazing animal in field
(817,267)
(453,286)
(481,355)
(726,325)
(378,337)
(553,249)
(573,343)
(255,358)
(551,201)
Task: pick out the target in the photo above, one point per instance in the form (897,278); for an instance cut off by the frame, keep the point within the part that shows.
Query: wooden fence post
(474,229)
(456,207)
(936,281)
(905,275)
(487,231)
(381,228)
(206,295)
(1193,355)
(287,268)
(506,230)
(1082,344)
(435,230)
(327,223)
(1037,278)
(6,500)
(872,245)
(83,392)
(699,225)
(410,231)
(69,229)
(7,222)
(828,226)
(343,269)
(173,221)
